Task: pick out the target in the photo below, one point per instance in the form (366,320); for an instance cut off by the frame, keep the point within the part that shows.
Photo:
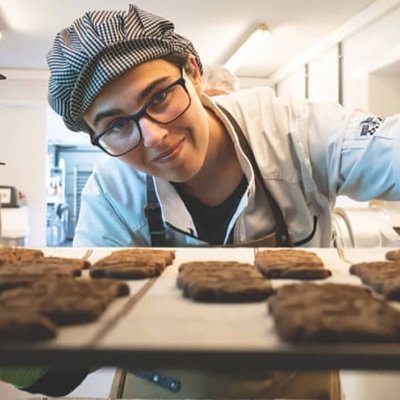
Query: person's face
(174,151)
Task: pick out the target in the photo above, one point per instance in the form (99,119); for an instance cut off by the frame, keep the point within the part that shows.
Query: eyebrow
(105,114)
(143,95)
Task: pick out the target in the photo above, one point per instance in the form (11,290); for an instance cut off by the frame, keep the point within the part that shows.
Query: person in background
(184,169)
(218,80)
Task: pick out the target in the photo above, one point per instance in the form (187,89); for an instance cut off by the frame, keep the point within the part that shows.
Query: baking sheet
(163,328)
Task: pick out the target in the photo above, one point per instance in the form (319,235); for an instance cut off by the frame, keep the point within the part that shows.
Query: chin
(184,176)
(180,179)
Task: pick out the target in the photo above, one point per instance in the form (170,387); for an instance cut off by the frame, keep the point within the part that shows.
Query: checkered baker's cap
(99,47)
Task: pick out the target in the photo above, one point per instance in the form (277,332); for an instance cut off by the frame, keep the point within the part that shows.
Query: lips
(170,154)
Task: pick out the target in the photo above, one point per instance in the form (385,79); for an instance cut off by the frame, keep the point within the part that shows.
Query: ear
(195,75)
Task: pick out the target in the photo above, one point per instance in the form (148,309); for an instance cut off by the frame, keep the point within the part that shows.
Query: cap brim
(2,77)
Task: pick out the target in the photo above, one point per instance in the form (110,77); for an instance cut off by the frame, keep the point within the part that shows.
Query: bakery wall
(365,52)
(23,116)
(349,70)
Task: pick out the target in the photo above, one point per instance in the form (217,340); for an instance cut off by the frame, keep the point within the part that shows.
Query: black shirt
(211,222)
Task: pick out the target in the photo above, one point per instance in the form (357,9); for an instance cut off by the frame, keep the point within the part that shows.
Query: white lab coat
(308,154)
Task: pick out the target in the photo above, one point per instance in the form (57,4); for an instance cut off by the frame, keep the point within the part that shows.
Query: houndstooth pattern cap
(99,47)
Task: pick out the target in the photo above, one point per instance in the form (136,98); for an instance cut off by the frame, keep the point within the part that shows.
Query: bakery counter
(156,326)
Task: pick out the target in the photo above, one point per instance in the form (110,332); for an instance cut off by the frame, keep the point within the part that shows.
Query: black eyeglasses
(124,134)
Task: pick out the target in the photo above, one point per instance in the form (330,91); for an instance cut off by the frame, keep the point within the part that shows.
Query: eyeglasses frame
(94,139)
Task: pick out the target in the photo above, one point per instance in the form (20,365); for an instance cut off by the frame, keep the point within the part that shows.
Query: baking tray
(156,326)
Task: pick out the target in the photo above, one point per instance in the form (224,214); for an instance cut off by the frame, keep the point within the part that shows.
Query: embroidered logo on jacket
(370,125)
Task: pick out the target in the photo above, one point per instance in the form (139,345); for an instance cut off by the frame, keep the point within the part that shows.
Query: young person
(244,169)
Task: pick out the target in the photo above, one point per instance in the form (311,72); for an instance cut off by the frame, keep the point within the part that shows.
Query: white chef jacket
(307,154)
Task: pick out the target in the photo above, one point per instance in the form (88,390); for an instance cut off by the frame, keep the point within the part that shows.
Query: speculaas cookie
(215,281)
(20,266)
(393,255)
(291,264)
(11,281)
(391,289)
(44,265)
(12,276)
(25,273)
(382,276)
(9,255)
(203,265)
(331,313)
(167,255)
(132,264)
(24,326)
(65,300)
(70,263)
(207,268)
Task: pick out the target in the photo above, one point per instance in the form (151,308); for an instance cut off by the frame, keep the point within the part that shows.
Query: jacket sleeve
(58,382)
(99,223)
(353,153)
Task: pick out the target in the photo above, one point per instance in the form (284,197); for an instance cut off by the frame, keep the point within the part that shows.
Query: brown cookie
(11,281)
(9,255)
(70,263)
(290,264)
(378,275)
(310,313)
(393,255)
(210,268)
(24,326)
(391,289)
(215,281)
(65,300)
(211,264)
(217,291)
(139,266)
(45,266)
(291,296)
(167,255)
(24,274)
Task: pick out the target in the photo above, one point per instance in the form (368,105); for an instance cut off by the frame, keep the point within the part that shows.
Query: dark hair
(180,59)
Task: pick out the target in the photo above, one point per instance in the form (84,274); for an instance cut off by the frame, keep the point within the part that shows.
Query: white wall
(23,114)
(323,77)
(293,86)
(367,44)
(322,80)
(384,93)
(362,51)
(248,82)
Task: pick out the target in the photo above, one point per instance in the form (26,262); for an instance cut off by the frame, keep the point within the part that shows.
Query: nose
(152,132)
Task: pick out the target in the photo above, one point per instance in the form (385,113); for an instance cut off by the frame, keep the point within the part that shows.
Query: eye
(161,101)
(119,126)
(160,98)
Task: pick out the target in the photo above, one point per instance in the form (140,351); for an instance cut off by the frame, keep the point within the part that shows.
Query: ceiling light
(249,48)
